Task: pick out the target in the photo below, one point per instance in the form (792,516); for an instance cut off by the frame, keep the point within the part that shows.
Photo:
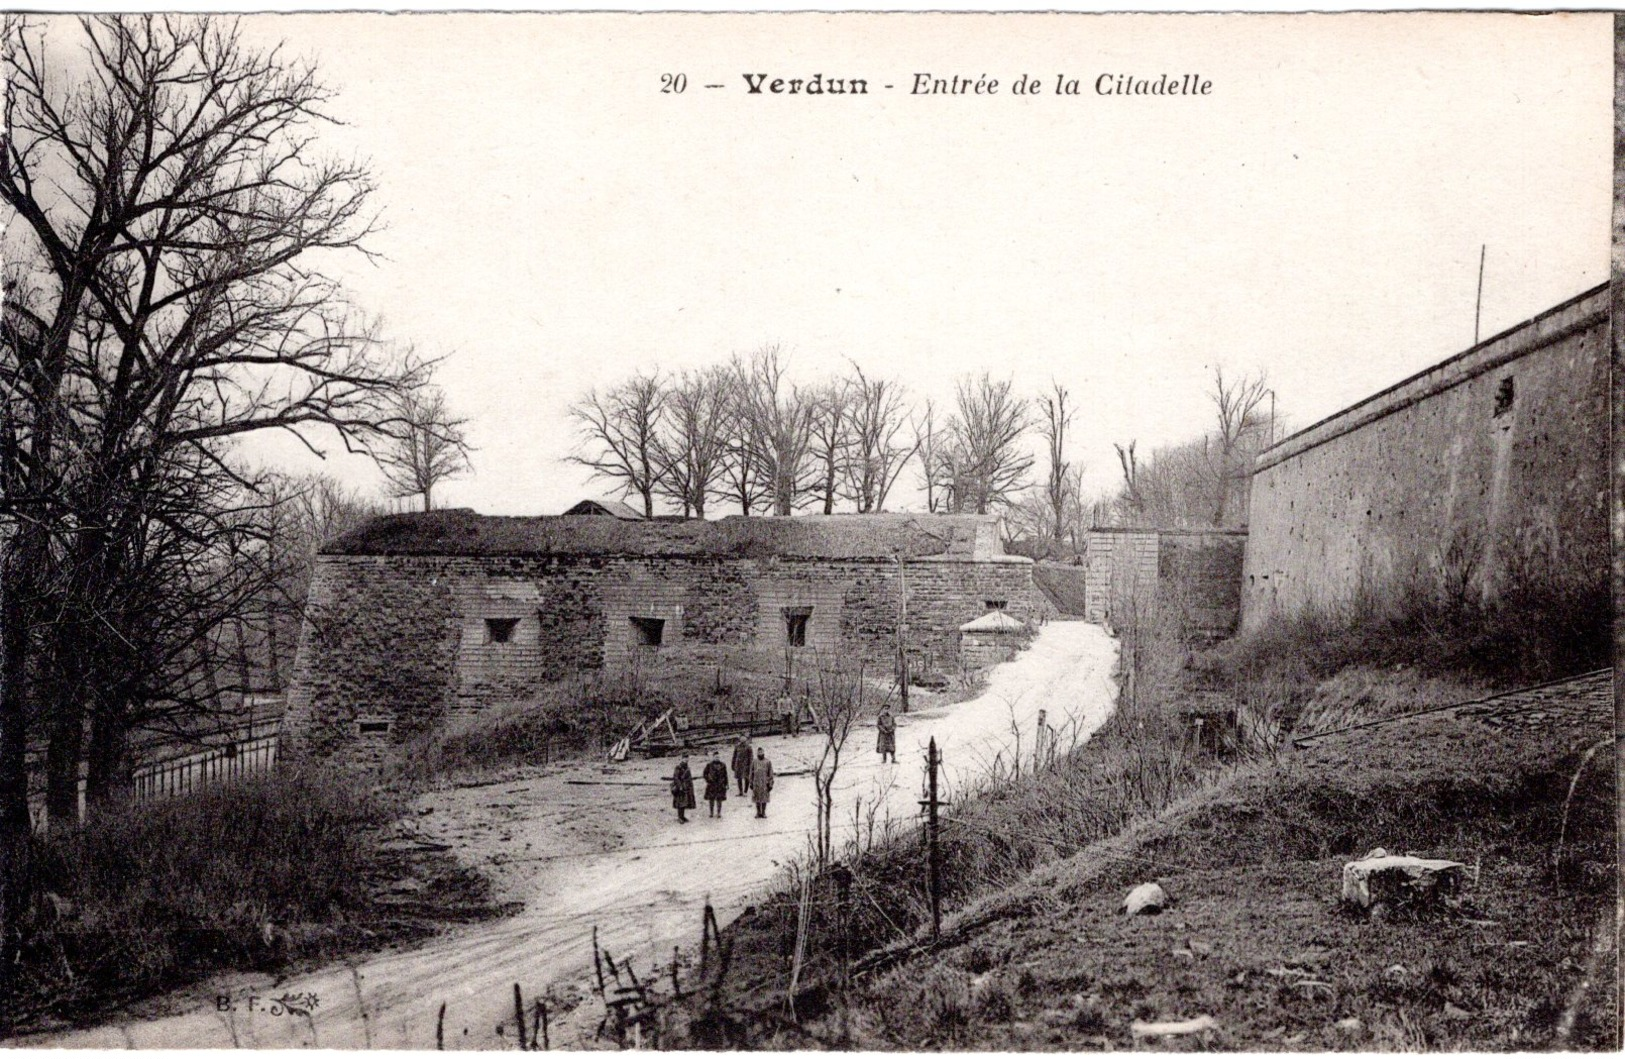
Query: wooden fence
(171,768)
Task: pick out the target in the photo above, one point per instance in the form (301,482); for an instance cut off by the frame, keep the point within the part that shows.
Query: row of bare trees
(1203,482)
(165,298)
(744,435)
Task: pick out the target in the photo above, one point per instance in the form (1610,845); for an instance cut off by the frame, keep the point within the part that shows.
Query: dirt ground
(591,846)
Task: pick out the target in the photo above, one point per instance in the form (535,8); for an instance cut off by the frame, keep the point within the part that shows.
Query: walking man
(682,790)
(761,781)
(716,786)
(886,737)
(742,765)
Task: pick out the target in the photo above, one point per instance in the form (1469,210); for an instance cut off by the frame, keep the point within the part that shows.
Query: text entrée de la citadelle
(930,84)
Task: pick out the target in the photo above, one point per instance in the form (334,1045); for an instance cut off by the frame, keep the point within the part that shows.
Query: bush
(155,894)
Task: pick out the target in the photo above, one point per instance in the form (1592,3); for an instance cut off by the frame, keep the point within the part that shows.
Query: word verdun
(817,85)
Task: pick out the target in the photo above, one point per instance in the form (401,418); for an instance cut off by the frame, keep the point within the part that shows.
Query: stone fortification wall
(1486,468)
(395,645)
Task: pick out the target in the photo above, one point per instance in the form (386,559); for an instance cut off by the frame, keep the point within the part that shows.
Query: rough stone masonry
(413,619)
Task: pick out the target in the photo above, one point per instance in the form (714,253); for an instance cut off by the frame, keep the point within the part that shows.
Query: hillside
(1256,939)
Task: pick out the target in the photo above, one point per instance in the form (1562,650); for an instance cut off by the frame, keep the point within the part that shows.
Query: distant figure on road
(716,786)
(886,738)
(761,781)
(682,790)
(742,765)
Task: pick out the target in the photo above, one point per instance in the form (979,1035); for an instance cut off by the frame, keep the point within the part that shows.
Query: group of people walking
(752,773)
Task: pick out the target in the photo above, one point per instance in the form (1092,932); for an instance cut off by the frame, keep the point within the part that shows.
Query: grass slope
(1256,938)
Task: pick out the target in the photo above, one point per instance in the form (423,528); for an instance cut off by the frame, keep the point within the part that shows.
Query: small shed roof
(993,621)
(613,508)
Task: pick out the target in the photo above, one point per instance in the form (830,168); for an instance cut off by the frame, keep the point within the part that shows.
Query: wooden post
(519,1015)
(676,986)
(440,1029)
(597,962)
(933,864)
(541,1018)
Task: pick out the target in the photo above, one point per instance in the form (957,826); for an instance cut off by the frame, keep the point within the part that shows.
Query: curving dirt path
(591,845)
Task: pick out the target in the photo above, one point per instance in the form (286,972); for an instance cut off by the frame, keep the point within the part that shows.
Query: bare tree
(831,441)
(984,463)
(620,435)
(1057,418)
(1238,407)
(878,450)
(425,445)
(836,695)
(776,419)
(1131,477)
(171,202)
(694,444)
(929,442)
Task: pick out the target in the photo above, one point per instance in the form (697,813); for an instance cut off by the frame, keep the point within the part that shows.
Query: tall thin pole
(932,860)
(1478,305)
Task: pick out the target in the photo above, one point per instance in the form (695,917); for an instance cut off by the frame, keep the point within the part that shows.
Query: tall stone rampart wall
(1484,468)
(394,646)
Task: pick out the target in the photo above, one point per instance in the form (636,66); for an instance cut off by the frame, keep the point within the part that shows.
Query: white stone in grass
(1200,1024)
(1145,899)
(1385,878)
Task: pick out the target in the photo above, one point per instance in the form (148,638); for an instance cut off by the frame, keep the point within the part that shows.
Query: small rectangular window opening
(648,632)
(995,604)
(795,625)
(372,727)
(1504,396)
(500,630)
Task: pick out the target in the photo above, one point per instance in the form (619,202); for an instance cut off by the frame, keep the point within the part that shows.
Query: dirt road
(591,845)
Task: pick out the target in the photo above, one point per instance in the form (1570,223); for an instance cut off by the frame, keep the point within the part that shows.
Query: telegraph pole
(1478,303)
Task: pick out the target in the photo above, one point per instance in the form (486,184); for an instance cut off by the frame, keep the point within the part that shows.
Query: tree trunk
(63,753)
(109,781)
(15,872)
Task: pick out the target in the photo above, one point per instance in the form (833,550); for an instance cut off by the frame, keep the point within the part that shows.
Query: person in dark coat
(716,786)
(886,737)
(682,790)
(761,781)
(742,764)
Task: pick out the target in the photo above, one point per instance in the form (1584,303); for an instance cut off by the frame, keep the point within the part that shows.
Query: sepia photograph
(803,531)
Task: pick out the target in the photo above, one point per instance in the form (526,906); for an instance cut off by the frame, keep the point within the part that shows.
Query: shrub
(147,896)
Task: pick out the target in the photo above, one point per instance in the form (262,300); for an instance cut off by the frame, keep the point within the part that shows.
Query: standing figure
(761,781)
(886,737)
(716,786)
(682,790)
(742,765)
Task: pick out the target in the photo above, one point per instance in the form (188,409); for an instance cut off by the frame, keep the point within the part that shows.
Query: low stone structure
(1195,571)
(413,619)
(993,638)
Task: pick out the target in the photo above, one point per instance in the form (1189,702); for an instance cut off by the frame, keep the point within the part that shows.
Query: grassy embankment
(1036,954)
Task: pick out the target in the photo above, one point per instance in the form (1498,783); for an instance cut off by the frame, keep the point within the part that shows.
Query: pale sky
(555,222)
